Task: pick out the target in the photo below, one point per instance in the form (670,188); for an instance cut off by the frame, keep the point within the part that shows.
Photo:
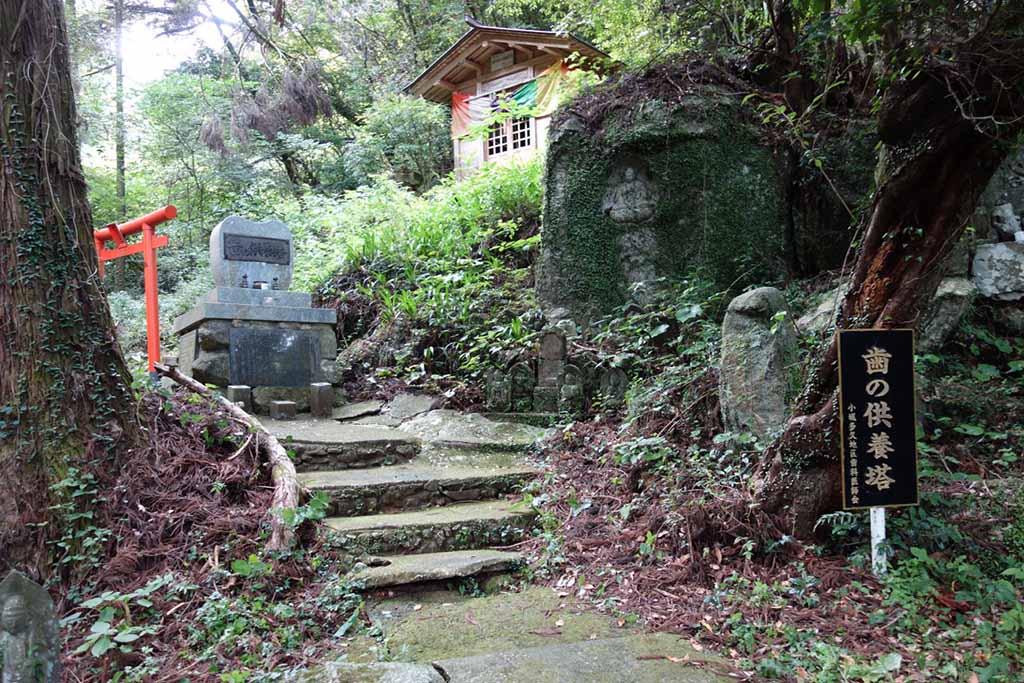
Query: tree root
(282,470)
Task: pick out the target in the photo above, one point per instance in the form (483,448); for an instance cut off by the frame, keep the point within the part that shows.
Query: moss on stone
(495,623)
(719,208)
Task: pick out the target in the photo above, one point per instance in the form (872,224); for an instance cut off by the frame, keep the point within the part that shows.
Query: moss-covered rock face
(662,190)
(651,188)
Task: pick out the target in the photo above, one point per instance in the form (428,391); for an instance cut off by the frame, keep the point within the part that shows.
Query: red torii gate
(148,245)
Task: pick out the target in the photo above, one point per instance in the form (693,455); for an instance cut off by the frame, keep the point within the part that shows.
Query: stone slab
(451,527)
(383,672)
(258,297)
(405,406)
(637,659)
(274,357)
(207,310)
(378,420)
(451,429)
(412,486)
(447,627)
(534,419)
(321,444)
(353,411)
(400,570)
(470,457)
(256,251)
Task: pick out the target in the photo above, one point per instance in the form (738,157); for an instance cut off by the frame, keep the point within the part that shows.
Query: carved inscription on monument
(279,358)
(265,249)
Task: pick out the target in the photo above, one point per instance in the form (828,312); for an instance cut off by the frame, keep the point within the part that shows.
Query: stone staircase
(427,497)
(422,502)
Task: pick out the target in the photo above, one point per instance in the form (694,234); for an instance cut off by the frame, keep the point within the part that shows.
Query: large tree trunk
(64,388)
(938,160)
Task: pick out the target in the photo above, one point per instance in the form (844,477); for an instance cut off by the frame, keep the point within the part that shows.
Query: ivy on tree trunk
(65,396)
(945,131)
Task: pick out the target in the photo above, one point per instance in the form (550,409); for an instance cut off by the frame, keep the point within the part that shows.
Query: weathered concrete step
(453,527)
(451,429)
(413,486)
(380,672)
(649,658)
(401,570)
(330,445)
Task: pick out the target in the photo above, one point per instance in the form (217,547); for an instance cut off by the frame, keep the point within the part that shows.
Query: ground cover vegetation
(653,510)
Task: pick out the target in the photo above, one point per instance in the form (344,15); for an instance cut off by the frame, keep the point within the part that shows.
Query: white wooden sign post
(878,560)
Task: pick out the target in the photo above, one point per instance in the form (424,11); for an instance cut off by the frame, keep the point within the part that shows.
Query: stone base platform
(269,340)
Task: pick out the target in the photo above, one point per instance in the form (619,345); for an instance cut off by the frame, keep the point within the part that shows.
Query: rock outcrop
(642,185)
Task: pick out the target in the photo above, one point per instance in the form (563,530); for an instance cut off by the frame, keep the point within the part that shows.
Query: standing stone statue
(758,376)
(613,385)
(499,392)
(632,200)
(570,396)
(523,380)
(29,643)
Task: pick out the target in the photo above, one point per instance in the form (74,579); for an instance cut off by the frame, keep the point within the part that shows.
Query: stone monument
(250,330)
(29,642)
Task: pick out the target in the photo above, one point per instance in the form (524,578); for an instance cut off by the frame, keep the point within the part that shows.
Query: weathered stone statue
(29,646)
(632,200)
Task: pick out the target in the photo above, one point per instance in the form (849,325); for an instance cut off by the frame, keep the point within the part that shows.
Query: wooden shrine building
(489,67)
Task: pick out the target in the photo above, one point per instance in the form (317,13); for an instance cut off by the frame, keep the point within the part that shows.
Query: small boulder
(405,406)
(821,318)
(953,298)
(1005,221)
(999,271)
(757,378)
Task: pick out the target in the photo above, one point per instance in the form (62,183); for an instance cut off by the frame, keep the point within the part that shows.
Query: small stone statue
(28,633)
(631,201)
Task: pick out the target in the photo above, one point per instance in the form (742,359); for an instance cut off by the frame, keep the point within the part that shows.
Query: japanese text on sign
(876,393)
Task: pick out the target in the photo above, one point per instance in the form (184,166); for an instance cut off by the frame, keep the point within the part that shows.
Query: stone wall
(656,188)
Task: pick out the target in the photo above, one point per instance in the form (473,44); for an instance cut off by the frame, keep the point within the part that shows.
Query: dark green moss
(719,207)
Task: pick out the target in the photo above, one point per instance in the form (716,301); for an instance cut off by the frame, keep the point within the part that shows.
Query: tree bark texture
(65,397)
(939,157)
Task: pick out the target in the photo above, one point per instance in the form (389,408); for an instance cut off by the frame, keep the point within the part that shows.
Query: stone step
(452,527)
(326,444)
(647,658)
(401,570)
(451,429)
(378,672)
(413,486)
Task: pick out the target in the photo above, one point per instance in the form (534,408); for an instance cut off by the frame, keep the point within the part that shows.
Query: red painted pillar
(152,305)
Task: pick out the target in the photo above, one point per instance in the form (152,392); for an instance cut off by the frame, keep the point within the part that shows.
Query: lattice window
(522,133)
(497,139)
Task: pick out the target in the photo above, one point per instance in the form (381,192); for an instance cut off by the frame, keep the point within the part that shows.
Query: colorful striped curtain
(540,94)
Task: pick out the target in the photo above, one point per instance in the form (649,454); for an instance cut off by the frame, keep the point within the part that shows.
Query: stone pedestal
(272,341)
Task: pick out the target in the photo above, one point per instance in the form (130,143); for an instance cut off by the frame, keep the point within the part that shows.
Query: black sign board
(264,249)
(879,427)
